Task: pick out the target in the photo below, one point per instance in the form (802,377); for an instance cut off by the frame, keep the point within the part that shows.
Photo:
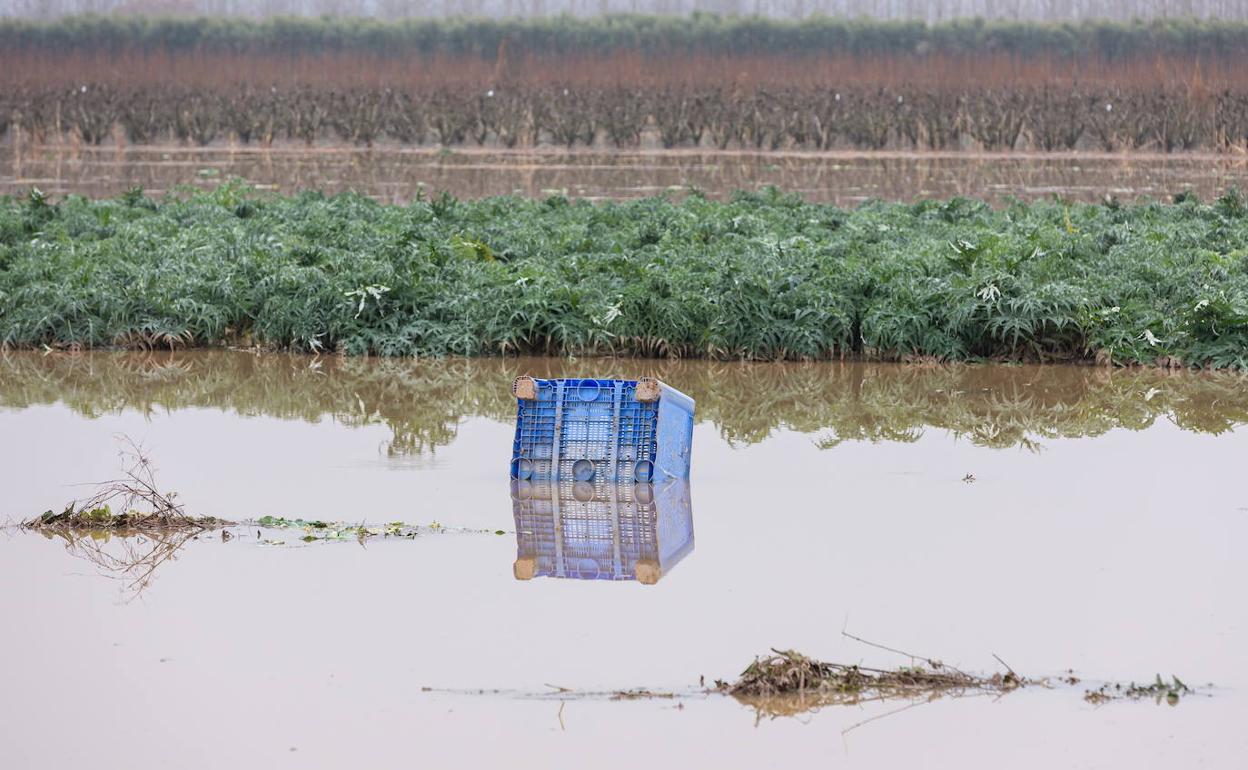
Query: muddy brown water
(397,175)
(1103,531)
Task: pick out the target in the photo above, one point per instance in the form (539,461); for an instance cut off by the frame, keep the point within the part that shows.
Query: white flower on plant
(364,293)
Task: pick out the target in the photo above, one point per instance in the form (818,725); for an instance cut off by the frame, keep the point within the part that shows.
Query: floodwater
(1060,518)
(397,174)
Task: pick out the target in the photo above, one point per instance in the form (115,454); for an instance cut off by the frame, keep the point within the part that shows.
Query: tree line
(565,35)
(1039,117)
(924,10)
(876,85)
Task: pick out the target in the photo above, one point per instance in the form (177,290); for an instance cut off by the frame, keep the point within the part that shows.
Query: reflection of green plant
(422,402)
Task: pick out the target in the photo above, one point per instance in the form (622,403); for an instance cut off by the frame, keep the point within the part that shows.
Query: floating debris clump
(788,682)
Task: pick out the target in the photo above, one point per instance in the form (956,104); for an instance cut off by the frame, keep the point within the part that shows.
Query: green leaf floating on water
(278,522)
(318,530)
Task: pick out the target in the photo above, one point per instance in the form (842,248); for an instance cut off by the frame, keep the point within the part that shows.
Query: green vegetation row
(703,33)
(423,402)
(763,276)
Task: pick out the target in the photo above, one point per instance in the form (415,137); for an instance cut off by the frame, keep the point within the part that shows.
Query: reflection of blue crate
(601,532)
(600,431)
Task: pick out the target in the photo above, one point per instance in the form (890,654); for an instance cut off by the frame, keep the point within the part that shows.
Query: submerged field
(764,276)
(260,326)
(894,502)
(399,175)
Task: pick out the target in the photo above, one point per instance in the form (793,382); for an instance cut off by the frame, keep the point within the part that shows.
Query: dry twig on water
(127,528)
(130,504)
(787,683)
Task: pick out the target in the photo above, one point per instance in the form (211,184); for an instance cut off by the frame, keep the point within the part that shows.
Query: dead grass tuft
(787,672)
(786,683)
(132,504)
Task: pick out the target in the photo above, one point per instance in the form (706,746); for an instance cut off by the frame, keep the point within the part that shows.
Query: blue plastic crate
(600,431)
(587,532)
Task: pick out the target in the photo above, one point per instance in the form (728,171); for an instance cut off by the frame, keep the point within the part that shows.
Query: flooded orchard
(1057,518)
(395,174)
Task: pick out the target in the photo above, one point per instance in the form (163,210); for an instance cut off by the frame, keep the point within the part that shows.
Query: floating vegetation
(132,547)
(642,693)
(787,682)
(150,528)
(315,530)
(103,518)
(146,531)
(141,506)
(560,693)
(764,276)
(1160,690)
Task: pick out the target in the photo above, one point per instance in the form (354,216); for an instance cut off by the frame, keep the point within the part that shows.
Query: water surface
(397,175)
(1059,517)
